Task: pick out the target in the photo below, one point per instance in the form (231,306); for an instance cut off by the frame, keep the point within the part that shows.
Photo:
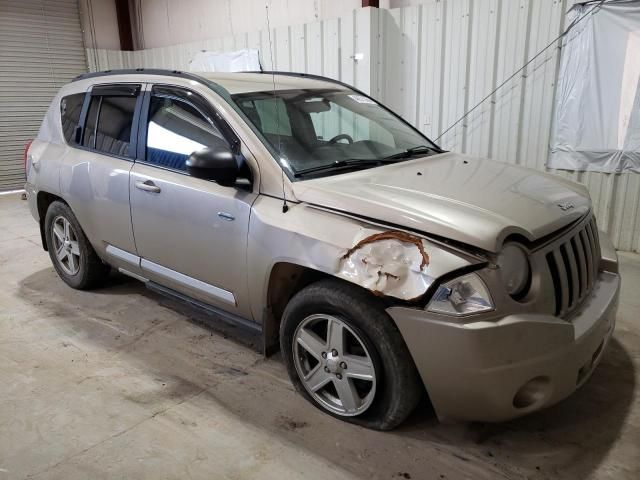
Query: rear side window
(70,109)
(108,124)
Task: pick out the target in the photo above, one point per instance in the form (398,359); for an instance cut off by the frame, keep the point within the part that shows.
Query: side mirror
(217,163)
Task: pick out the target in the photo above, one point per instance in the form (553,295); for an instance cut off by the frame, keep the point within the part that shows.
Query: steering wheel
(342,136)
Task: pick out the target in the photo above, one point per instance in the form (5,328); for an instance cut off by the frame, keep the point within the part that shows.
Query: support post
(124,25)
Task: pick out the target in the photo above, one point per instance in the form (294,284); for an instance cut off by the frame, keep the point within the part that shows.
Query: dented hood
(476,201)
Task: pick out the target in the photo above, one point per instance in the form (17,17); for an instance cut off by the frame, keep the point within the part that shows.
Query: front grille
(573,263)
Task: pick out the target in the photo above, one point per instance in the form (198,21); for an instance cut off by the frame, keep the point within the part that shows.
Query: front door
(190,233)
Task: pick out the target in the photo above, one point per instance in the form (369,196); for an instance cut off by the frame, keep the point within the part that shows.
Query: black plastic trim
(223,315)
(133,141)
(117,90)
(142,128)
(83,117)
(142,71)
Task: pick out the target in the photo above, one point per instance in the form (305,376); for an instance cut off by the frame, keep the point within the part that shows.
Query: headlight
(463,296)
(514,269)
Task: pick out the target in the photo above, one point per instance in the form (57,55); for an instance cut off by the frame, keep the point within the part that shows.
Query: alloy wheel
(334,365)
(65,245)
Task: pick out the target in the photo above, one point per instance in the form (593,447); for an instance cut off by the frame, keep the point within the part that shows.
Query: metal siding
(506,103)
(298,48)
(282,45)
(431,18)
(41,49)
(483,42)
(431,63)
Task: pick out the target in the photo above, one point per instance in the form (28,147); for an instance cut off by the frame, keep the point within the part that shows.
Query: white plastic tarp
(243,60)
(597,112)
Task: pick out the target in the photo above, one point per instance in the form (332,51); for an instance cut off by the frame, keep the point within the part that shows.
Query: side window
(70,109)
(176,129)
(108,124)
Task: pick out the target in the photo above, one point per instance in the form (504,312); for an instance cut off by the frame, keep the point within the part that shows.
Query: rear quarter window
(70,108)
(108,125)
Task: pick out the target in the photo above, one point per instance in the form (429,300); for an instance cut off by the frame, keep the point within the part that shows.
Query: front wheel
(346,356)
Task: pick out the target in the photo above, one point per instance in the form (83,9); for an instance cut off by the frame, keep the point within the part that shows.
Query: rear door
(95,173)
(190,233)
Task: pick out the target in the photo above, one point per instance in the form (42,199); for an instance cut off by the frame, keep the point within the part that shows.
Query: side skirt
(244,330)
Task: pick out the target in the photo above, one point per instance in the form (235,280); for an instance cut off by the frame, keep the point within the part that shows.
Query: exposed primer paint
(389,263)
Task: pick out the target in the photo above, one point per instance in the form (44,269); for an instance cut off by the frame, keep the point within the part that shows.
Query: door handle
(226,216)
(148,186)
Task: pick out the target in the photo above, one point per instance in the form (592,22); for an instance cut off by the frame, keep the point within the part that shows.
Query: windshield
(324,132)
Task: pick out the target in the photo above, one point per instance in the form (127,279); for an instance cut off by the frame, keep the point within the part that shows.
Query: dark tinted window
(70,109)
(114,119)
(175,130)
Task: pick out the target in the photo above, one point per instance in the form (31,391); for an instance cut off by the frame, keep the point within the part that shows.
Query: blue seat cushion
(167,159)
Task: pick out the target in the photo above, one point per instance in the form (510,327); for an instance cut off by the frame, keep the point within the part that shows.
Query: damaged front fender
(390,263)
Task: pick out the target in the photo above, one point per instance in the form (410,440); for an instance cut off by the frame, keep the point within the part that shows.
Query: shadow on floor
(568,440)
(575,434)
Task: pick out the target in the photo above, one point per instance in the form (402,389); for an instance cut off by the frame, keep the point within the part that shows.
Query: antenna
(285,207)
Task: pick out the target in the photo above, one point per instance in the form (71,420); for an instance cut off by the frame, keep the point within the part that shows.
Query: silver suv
(301,208)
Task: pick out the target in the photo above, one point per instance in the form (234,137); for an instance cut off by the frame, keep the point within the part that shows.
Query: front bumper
(498,370)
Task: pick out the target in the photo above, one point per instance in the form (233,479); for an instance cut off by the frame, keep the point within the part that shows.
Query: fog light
(534,391)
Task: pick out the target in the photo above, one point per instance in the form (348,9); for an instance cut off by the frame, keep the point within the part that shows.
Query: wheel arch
(285,280)
(43,201)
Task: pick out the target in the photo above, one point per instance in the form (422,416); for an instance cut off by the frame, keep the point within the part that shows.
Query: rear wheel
(346,356)
(72,255)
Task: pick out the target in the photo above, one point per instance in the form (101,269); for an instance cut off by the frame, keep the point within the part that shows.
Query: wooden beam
(371,3)
(124,24)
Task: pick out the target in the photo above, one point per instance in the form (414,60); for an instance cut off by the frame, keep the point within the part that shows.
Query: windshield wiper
(410,152)
(344,164)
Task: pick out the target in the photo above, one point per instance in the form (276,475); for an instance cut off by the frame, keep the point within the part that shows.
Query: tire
(85,270)
(369,335)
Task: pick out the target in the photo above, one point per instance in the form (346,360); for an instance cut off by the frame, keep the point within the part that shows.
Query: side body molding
(134,266)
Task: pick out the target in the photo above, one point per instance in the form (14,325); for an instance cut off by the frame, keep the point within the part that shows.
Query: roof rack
(216,87)
(145,71)
(310,76)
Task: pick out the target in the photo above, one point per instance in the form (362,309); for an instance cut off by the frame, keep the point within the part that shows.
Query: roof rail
(310,76)
(144,71)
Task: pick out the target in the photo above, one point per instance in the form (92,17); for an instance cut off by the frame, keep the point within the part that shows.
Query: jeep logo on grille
(564,206)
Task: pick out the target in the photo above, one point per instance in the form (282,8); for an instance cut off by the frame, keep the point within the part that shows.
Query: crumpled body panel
(388,263)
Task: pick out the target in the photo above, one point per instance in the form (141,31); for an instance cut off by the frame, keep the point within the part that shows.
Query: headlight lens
(514,269)
(463,296)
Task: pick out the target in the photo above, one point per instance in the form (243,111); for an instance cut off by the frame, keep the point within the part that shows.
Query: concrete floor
(116,383)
